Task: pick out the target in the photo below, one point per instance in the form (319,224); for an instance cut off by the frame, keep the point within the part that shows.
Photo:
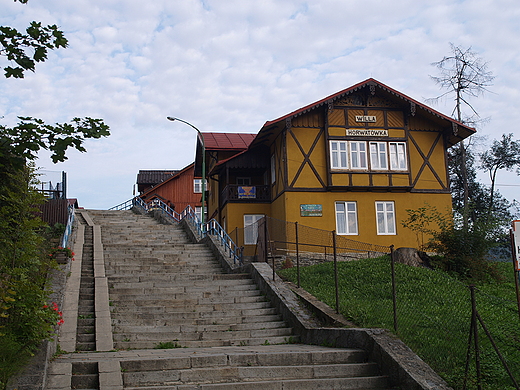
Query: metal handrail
(212,227)
(229,245)
(68,228)
(125,205)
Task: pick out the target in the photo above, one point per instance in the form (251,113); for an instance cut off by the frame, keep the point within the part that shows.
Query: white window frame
(358,155)
(397,153)
(385,218)
(251,228)
(346,218)
(197,186)
(339,154)
(198,212)
(378,156)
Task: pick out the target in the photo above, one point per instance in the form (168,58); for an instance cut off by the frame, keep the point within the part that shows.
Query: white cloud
(232,65)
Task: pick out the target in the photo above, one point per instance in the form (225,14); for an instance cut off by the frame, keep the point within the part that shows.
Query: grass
(433,309)
(168,345)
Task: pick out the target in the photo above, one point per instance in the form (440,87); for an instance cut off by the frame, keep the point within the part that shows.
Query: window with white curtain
(358,155)
(346,218)
(378,155)
(251,228)
(385,217)
(397,156)
(338,155)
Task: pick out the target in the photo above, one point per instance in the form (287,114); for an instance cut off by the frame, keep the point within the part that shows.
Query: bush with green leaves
(26,317)
(462,250)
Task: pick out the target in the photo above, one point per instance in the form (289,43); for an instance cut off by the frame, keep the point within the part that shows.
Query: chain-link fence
(428,309)
(288,243)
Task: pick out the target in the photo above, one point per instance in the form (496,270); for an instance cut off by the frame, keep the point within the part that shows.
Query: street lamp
(203,162)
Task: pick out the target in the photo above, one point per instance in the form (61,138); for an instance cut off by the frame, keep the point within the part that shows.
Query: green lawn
(433,309)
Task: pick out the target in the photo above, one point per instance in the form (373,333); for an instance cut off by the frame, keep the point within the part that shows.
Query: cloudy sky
(232,65)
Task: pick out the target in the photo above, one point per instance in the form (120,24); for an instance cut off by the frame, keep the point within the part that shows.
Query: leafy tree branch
(24,50)
(32,135)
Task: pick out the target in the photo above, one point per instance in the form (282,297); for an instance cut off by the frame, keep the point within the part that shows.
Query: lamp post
(203,162)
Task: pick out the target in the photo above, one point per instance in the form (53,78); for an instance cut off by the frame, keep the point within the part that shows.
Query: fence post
(394,293)
(475,333)
(335,270)
(297,253)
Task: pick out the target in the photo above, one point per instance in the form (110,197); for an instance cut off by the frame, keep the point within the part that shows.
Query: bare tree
(464,75)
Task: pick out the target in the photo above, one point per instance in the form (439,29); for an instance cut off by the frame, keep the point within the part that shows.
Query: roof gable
(460,131)
(174,176)
(154,176)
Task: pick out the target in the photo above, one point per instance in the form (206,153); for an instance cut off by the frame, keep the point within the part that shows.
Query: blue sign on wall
(247,192)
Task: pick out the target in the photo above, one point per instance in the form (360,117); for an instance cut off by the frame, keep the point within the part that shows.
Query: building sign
(311,210)
(367,133)
(246,192)
(516,244)
(366,118)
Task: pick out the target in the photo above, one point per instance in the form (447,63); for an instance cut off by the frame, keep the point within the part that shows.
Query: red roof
(362,84)
(227,141)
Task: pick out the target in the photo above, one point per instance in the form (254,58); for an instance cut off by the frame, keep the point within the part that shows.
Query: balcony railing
(239,193)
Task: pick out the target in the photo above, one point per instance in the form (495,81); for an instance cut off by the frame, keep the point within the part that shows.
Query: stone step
(199,328)
(191,318)
(157,337)
(130,298)
(207,343)
(172,277)
(368,383)
(182,286)
(251,374)
(278,367)
(174,314)
(287,355)
(172,306)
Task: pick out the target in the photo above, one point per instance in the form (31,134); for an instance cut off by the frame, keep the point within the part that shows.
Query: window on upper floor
(376,156)
(243,181)
(397,156)
(197,186)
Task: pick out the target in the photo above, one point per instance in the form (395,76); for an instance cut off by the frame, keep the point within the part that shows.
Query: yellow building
(353,162)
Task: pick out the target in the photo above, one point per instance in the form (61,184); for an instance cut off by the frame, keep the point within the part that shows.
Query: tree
(503,154)
(25,315)
(31,134)
(464,75)
(27,49)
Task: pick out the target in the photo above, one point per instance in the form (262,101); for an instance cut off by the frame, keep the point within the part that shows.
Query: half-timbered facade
(353,162)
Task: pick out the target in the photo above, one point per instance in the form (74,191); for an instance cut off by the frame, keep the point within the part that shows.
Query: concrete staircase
(178,322)
(166,291)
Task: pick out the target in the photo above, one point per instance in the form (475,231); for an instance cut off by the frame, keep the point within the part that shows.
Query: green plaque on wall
(311,210)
